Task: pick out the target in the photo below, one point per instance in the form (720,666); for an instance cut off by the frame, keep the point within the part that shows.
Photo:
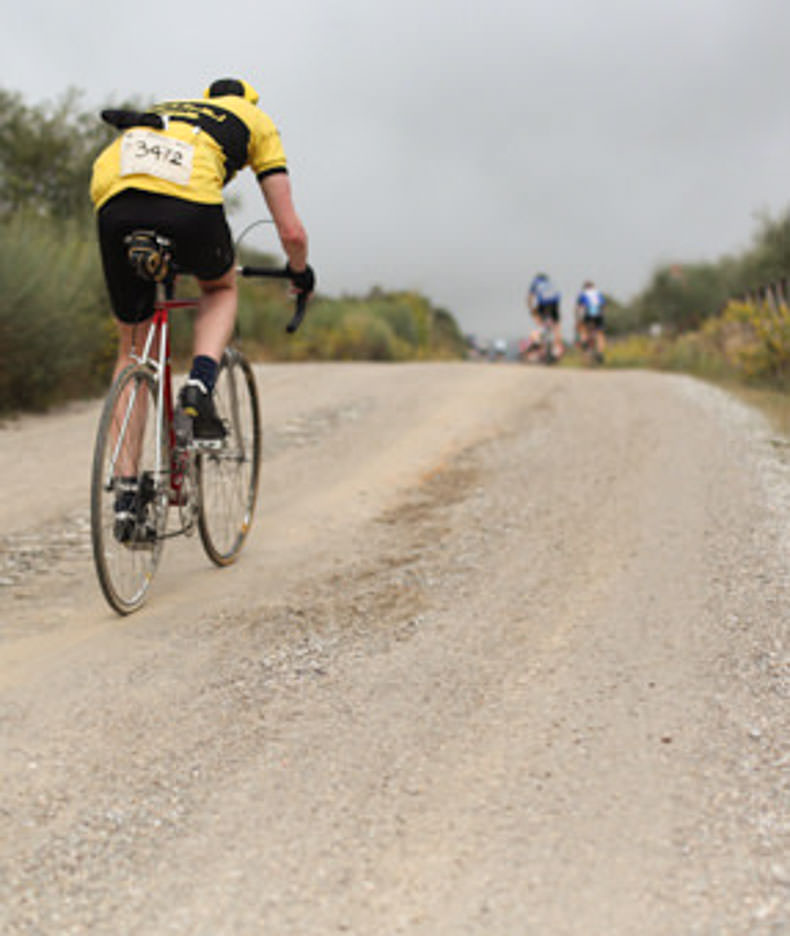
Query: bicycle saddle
(150,255)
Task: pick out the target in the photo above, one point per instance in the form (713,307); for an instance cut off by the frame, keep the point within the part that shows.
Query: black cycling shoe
(129,532)
(196,402)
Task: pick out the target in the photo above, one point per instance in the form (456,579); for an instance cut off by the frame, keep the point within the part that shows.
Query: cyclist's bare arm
(276,190)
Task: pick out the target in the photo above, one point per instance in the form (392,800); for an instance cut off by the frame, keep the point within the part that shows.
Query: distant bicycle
(543,301)
(590,323)
(541,347)
(146,461)
(587,343)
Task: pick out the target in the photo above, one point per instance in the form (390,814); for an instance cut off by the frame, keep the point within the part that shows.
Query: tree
(46,156)
(682,296)
(769,258)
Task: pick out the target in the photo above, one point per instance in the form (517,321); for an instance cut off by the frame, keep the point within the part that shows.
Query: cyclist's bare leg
(131,338)
(558,338)
(216,316)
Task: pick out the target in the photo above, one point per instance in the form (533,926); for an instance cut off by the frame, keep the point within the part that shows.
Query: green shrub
(746,342)
(56,335)
(755,341)
(362,336)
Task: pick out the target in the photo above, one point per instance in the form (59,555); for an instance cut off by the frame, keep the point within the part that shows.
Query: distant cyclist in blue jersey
(543,301)
(590,319)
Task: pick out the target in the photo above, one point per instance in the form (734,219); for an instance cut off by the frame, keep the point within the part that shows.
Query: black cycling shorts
(200,234)
(595,321)
(549,310)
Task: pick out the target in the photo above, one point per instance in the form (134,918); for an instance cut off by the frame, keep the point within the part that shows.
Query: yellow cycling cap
(234,86)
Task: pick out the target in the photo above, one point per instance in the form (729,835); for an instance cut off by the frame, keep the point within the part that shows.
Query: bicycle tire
(549,355)
(126,445)
(228,477)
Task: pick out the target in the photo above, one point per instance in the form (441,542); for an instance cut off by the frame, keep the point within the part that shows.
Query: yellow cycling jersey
(204,143)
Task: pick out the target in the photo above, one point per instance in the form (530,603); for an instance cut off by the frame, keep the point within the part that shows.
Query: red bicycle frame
(159,327)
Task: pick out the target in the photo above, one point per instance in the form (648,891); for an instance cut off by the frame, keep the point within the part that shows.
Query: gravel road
(507,652)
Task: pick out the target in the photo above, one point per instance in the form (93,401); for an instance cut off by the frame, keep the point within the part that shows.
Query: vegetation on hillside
(57,336)
(680,297)
(715,319)
(46,154)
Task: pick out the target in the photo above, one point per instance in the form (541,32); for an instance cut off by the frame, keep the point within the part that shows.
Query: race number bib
(146,153)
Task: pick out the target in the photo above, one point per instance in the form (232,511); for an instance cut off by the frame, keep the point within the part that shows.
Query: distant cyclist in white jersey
(590,319)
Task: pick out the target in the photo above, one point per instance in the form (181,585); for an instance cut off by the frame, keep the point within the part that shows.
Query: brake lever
(301,298)
(298,317)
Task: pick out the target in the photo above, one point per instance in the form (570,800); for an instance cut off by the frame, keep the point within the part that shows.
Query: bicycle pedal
(140,546)
(134,537)
(207,445)
(182,426)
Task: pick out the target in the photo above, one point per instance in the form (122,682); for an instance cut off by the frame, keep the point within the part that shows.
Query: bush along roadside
(56,339)
(57,336)
(748,341)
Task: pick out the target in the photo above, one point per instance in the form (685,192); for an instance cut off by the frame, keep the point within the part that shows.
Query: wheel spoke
(129,491)
(229,477)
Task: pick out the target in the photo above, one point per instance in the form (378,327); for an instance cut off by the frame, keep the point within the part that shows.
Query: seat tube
(161,413)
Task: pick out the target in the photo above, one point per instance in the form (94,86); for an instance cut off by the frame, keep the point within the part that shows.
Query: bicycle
(588,341)
(540,347)
(146,461)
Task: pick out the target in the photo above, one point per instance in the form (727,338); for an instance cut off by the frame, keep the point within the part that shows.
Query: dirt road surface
(507,652)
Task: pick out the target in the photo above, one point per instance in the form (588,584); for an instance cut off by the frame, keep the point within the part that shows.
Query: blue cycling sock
(205,370)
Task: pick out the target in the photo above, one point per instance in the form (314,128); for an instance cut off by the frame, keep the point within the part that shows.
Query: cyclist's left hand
(304,280)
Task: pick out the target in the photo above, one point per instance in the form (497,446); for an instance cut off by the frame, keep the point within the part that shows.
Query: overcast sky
(457,148)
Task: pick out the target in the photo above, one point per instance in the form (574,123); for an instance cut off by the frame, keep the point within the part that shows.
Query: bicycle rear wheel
(228,477)
(129,490)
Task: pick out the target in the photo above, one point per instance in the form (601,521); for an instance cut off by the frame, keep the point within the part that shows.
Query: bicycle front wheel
(228,476)
(129,490)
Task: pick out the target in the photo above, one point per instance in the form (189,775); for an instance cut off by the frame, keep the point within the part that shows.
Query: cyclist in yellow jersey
(166,172)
